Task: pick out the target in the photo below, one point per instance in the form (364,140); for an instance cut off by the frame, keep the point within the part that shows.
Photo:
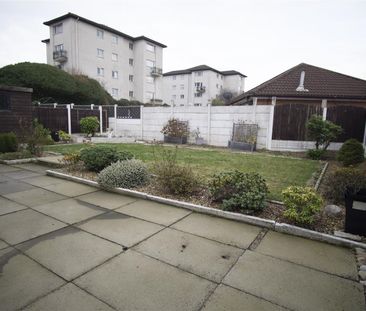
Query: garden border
(270,224)
(19,161)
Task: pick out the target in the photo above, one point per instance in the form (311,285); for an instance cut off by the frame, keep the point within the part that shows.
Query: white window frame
(198,73)
(100,34)
(181,96)
(149,79)
(57,29)
(174,87)
(130,94)
(130,61)
(114,57)
(100,71)
(114,92)
(150,63)
(182,86)
(114,39)
(150,95)
(130,78)
(151,48)
(100,53)
(59,47)
(174,77)
(182,77)
(114,74)
(130,46)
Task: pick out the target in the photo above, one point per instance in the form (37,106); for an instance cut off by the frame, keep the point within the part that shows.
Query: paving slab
(34,197)
(3,178)
(226,298)
(106,199)
(22,174)
(7,168)
(206,258)
(11,186)
(70,210)
(52,160)
(7,206)
(3,244)
(119,228)
(143,283)
(317,255)
(293,286)
(33,167)
(70,189)
(155,212)
(218,229)
(69,297)
(69,252)
(26,224)
(41,181)
(22,280)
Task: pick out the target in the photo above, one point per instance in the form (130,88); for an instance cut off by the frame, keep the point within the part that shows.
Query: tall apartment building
(128,67)
(198,86)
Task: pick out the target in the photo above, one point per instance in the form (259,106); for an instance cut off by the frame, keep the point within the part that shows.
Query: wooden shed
(15,107)
(298,93)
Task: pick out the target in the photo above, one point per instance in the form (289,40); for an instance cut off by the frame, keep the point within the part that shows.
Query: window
(59,47)
(100,34)
(130,78)
(130,93)
(115,57)
(150,48)
(197,104)
(182,96)
(100,53)
(174,96)
(149,79)
(198,85)
(130,61)
(4,102)
(57,29)
(197,94)
(100,71)
(182,77)
(130,46)
(150,95)
(114,39)
(182,86)
(115,92)
(217,86)
(174,87)
(150,63)
(217,75)
(174,77)
(198,73)
(114,74)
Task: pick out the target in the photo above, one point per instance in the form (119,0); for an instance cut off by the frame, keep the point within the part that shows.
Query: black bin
(55,136)
(356,213)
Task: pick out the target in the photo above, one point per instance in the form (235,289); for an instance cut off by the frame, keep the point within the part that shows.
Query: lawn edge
(252,220)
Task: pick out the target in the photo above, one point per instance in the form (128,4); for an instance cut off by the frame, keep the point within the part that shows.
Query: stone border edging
(270,224)
(317,184)
(18,161)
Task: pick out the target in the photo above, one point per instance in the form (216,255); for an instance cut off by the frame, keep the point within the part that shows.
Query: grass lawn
(279,171)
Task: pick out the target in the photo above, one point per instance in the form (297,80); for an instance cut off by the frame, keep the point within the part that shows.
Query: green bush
(99,157)
(171,177)
(52,84)
(89,125)
(124,174)
(24,154)
(8,142)
(37,137)
(238,191)
(301,204)
(315,154)
(64,136)
(342,180)
(351,152)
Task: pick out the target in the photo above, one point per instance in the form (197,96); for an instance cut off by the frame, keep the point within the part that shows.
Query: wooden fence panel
(290,119)
(351,118)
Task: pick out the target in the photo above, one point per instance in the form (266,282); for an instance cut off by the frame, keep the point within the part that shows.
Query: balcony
(200,89)
(60,56)
(156,72)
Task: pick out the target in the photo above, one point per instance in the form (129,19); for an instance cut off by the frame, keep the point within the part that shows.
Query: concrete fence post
(270,124)
(69,118)
(254,109)
(324,107)
(142,121)
(101,119)
(72,105)
(54,105)
(91,106)
(208,124)
(115,120)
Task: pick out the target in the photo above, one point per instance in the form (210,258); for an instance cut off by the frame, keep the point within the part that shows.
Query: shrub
(315,154)
(351,152)
(301,204)
(71,160)
(98,157)
(89,125)
(24,154)
(342,180)
(322,131)
(8,142)
(239,191)
(64,136)
(176,128)
(124,174)
(37,137)
(171,177)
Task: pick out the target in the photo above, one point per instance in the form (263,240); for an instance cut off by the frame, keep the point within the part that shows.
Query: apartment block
(128,67)
(198,86)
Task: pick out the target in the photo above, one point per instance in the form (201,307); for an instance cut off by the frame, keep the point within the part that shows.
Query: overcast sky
(258,38)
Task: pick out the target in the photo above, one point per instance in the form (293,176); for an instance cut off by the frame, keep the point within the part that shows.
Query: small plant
(8,142)
(301,204)
(344,180)
(351,153)
(175,128)
(196,133)
(322,131)
(24,154)
(239,191)
(315,154)
(38,137)
(171,177)
(97,158)
(124,174)
(71,160)
(89,125)
(65,137)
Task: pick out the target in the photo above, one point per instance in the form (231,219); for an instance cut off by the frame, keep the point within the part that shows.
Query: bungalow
(298,93)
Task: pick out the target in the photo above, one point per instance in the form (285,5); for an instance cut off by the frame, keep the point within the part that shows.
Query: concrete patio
(67,246)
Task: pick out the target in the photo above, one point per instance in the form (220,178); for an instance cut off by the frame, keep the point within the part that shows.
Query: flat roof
(100,26)
(203,68)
